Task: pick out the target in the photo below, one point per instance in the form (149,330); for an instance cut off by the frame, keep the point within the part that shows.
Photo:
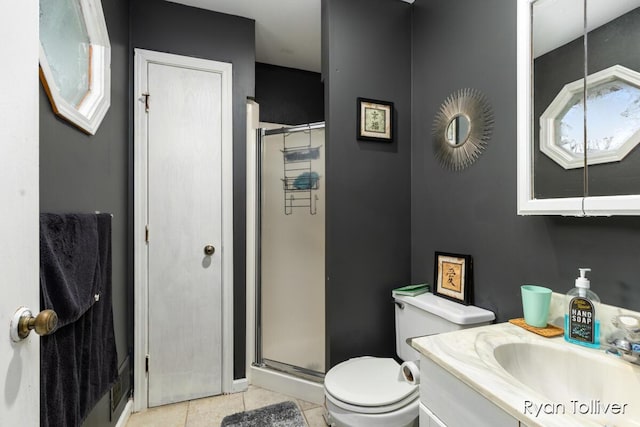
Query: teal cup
(535,305)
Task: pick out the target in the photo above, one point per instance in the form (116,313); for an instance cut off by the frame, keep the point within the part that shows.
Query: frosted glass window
(75,61)
(613,115)
(65,41)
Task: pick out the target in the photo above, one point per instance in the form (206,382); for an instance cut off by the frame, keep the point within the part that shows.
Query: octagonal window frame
(89,113)
(560,104)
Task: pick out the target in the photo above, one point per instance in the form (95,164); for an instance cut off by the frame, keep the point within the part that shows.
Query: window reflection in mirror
(613,118)
(613,106)
(613,39)
(558,59)
(613,95)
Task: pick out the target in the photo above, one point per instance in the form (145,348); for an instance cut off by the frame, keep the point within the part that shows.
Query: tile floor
(209,412)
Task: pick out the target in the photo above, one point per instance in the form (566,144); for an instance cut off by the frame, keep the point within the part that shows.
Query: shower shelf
(300,181)
(304,184)
(301,154)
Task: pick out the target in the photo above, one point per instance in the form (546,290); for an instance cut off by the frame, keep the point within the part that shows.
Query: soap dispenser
(581,321)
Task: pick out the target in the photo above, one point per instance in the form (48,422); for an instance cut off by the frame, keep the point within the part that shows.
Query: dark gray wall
(616,43)
(608,45)
(173,28)
(366,53)
(551,72)
(81,173)
(465,43)
(288,96)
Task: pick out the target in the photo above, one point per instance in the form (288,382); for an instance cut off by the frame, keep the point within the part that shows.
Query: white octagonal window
(613,119)
(75,59)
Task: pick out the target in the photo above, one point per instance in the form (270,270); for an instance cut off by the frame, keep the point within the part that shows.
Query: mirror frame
(527,204)
(475,107)
(90,115)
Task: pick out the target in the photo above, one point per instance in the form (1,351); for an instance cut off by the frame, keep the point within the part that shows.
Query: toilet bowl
(367,391)
(371,391)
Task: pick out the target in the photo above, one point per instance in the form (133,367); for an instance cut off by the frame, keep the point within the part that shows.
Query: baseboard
(240,385)
(126,413)
(287,384)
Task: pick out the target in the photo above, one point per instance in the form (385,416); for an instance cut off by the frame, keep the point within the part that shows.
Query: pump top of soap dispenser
(582,281)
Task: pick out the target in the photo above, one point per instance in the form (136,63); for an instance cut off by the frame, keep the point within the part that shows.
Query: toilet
(371,391)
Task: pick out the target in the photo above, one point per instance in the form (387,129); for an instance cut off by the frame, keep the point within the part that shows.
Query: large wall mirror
(572,160)
(75,60)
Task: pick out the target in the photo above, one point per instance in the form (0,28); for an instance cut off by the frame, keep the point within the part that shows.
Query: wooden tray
(548,331)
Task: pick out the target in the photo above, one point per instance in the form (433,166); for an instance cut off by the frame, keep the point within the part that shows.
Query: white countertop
(468,355)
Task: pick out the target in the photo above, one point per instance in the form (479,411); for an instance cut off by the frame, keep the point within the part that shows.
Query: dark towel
(78,362)
(69,264)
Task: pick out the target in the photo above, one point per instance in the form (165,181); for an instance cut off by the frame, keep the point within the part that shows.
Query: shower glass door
(290,294)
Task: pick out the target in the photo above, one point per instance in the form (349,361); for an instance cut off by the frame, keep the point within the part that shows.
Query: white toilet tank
(428,314)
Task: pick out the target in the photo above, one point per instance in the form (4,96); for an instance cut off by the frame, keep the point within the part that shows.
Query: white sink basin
(540,382)
(570,380)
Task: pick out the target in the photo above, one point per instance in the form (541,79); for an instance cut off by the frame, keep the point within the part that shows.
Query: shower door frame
(259,360)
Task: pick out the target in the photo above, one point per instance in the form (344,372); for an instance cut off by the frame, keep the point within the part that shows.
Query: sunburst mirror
(462,128)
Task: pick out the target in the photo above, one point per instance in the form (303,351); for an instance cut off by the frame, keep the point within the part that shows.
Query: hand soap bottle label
(582,317)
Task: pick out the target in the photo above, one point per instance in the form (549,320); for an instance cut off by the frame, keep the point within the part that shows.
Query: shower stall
(290,250)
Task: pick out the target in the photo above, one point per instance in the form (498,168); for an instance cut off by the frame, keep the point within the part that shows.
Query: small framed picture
(375,120)
(454,277)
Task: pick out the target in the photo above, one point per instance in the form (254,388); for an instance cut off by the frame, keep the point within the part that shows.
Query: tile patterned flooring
(210,411)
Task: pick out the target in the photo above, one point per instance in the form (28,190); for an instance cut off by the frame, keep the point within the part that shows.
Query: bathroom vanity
(455,402)
(503,375)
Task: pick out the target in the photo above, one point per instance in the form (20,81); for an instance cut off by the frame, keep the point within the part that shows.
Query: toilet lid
(368,381)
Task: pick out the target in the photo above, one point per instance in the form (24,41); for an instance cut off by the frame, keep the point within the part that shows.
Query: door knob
(23,322)
(209,250)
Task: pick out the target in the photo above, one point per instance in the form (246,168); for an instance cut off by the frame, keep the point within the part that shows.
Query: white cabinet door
(427,419)
(456,404)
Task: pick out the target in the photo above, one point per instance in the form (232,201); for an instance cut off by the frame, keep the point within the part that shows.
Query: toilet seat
(369,385)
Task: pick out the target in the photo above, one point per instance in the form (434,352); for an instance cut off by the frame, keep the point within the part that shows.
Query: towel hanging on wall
(78,361)
(69,264)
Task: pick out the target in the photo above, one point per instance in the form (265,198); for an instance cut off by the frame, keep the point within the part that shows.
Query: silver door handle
(209,250)
(24,322)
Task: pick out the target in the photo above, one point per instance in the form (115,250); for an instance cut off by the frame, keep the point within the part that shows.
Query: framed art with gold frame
(454,277)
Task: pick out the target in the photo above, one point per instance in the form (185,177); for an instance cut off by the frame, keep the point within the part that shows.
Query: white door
(19,362)
(184,217)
